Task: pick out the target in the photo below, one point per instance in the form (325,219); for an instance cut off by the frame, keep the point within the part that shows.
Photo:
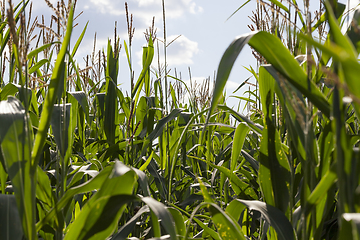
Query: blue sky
(205,33)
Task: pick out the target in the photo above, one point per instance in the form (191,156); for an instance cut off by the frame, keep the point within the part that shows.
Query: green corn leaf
(321,189)
(241,118)
(227,228)
(162,213)
(78,42)
(224,69)
(207,230)
(274,171)
(55,82)
(109,201)
(143,182)
(238,9)
(280,5)
(340,39)
(10,222)
(125,230)
(38,65)
(179,222)
(246,99)
(90,185)
(182,136)
(352,33)
(273,216)
(281,59)
(161,124)
(9,90)
(3,173)
(34,52)
(101,217)
(147,73)
(44,192)
(123,103)
(240,187)
(146,65)
(15,144)
(127,55)
(24,92)
(111,106)
(339,13)
(239,138)
(234,209)
(204,192)
(80,172)
(273,50)
(266,87)
(144,166)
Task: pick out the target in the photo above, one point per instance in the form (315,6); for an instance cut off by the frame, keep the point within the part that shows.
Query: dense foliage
(81,160)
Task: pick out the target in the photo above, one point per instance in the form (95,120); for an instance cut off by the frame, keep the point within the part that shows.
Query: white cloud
(231,87)
(146,9)
(174,8)
(106,6)
(180,52)
(195,9)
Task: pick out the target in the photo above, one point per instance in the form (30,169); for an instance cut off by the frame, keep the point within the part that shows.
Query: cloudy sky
(205,33)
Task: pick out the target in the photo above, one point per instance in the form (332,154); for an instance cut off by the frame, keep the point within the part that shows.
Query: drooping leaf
(227,228)
(125,230)
(162,213)
(273,216)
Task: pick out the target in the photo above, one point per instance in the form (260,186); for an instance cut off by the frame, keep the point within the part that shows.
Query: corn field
(81,159)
